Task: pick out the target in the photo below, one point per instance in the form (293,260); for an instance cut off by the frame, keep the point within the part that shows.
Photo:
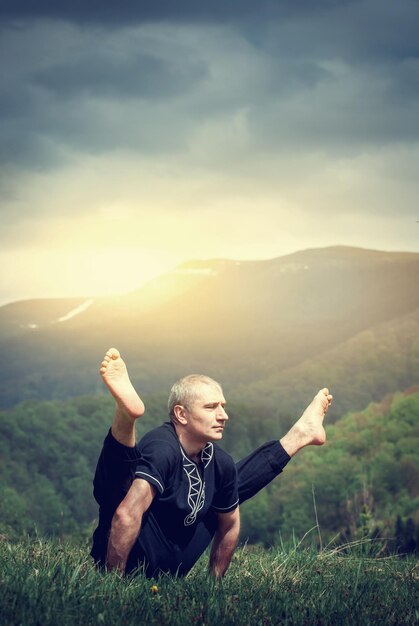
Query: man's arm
(126,523)
(224,542)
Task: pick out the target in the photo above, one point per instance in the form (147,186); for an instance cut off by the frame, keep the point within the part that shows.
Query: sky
(138,135)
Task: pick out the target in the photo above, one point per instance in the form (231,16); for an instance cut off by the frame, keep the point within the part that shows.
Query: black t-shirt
(179,524)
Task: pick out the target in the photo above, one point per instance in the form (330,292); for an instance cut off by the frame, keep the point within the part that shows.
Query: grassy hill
(45,583)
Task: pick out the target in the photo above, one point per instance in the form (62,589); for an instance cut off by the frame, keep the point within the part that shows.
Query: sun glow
(66,273)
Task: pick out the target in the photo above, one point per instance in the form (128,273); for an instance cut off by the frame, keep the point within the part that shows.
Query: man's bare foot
(115,376)
(129,405)
(308,430)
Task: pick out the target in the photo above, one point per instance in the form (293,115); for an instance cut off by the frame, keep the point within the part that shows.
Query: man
(164,499)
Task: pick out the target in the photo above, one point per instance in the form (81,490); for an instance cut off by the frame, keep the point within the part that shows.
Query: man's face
(206,416)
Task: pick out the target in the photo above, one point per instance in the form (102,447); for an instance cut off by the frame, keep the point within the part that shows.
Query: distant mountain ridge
(295,316)
(30,314)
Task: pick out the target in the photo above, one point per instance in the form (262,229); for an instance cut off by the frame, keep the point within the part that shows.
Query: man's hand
(224,542)
(126,523)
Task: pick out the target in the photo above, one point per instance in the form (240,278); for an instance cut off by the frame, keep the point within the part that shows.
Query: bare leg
(129,405)
(308,430)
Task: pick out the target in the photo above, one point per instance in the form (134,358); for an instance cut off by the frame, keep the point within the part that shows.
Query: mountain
(21,317)
(272,331)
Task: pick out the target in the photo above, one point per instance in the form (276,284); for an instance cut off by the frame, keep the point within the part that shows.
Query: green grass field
(45,583)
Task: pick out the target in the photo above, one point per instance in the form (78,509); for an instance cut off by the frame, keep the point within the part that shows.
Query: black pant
(115,472)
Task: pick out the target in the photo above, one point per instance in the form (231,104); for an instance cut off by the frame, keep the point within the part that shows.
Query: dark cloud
(140,11)
(134,75)
(403,83)
(337,77)
(369,30)
(90,91)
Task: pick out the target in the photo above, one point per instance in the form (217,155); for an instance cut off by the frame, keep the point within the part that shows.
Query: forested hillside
(360,370)
(48,452)
(364,482)
(365,476)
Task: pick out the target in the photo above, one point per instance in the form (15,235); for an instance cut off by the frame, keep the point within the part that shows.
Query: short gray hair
(185,391)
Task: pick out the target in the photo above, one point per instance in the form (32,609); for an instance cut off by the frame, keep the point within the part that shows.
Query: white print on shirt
(196,492)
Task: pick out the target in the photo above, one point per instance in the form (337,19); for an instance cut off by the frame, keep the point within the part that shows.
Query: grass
(46,583)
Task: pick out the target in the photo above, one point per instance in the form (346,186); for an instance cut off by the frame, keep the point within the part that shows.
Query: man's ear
(180,414)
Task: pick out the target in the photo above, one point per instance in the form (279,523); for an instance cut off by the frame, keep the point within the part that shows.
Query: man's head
(196,403)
